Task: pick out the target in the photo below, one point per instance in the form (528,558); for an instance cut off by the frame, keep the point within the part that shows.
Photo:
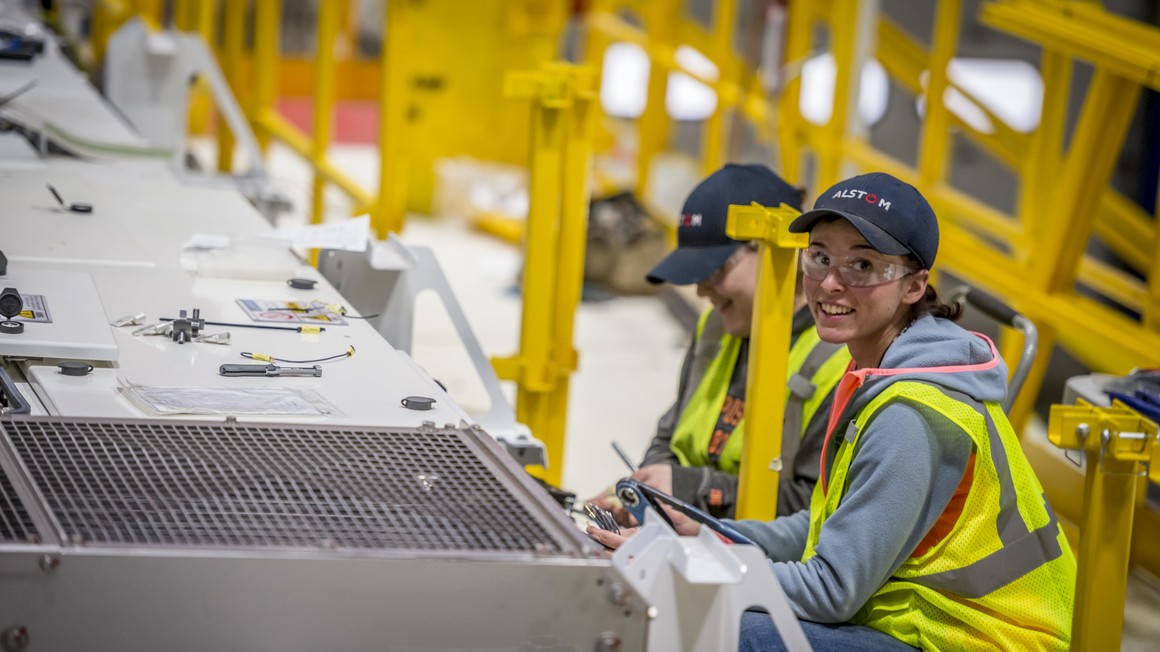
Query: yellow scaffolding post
(267,26)
(562,97)
(233,43)
(769,351)
(936,137)
(653,125)
(390,208)
(844,46)
(712,149)
(1118,443)
(797,48)
(570,248)
(329,16)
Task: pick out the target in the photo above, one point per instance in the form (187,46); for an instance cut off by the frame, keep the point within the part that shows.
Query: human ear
(914,286)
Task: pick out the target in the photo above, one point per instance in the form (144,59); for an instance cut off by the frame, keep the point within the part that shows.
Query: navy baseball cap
(891,214)
(702,244)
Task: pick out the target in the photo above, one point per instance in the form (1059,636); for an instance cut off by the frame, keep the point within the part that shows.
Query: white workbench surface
(142,214)
(130,245)
(366,388)
(64,99)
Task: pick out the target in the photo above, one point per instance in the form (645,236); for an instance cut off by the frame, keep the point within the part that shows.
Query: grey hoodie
(905,471)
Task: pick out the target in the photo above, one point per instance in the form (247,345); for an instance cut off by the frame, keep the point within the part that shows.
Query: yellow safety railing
(562,98)
(769,353)
(1120,445)
(1035,259)
(665,27)
(254,77)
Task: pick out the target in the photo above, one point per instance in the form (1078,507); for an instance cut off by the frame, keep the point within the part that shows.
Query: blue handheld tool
(637,496)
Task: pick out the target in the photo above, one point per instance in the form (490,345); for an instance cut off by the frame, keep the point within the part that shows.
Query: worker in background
(928,527)
(696,452)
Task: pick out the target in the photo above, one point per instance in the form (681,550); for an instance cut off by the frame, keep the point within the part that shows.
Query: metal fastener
(14,639)
(608,642)
(49,563)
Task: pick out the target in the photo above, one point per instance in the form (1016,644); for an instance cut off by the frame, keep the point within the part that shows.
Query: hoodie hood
(939,352)
(931,350)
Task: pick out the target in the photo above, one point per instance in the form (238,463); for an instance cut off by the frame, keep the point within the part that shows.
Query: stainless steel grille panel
(15,523)
(253,485)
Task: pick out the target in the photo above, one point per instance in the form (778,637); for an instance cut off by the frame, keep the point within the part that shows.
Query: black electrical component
(10,305)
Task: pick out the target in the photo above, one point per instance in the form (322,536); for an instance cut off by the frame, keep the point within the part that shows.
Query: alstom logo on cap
(691,219)
(868,197)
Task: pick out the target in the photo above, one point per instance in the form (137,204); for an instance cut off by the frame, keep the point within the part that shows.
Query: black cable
(269,358)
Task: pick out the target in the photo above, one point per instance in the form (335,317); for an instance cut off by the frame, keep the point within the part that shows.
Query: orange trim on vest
(950,516)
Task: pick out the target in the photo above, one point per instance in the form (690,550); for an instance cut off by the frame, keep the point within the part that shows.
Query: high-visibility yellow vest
(814,368)
(1003,577)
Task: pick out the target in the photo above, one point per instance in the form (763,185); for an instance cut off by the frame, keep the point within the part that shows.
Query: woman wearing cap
(696,452)
(928,527)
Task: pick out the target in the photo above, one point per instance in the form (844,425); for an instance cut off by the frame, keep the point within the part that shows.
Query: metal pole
(233,42)
(267,26)
(390,208)
(768,352)
(329,14)
(653,125)
(576,176)
(712,152)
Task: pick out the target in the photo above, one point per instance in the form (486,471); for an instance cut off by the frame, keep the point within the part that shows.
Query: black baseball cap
(702,244)
(891,214)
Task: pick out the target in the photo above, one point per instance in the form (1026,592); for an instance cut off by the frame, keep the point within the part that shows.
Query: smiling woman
(696,452)
(927,527)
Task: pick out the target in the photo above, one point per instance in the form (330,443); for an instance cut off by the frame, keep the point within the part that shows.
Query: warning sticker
(291,312)
(35,309)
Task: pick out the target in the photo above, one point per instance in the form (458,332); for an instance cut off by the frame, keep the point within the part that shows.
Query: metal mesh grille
(186,483)
(15,524)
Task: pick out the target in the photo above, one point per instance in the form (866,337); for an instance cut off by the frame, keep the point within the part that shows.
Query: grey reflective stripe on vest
(1023,551)
(801,389)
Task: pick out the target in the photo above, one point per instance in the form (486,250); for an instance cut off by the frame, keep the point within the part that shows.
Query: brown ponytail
(931,304)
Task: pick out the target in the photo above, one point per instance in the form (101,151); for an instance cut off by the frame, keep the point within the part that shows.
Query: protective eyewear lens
(855,271)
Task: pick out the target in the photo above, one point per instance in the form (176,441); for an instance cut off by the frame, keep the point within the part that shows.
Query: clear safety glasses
(855,271)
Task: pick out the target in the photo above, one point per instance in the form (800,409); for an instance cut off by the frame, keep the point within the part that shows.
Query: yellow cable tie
(309,329)
(261,356)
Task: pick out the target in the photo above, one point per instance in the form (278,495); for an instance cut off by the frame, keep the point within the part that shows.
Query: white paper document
(263,401)
(345,235)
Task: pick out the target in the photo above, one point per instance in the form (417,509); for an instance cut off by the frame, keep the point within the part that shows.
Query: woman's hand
(657,476)
(609,539)
(683,525)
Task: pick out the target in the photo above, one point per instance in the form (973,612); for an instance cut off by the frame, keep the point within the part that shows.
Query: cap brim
(879,239)
(689,265)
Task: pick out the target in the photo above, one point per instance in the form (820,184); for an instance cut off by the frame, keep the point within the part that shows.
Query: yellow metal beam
(1123,47)
(1095,147)
(843,45)
(1113,283)
(935,144)
(233,44)
(1118,443)
(267,27)
(275,126)
(721,49)
(562,105)
(791,135)
(1128,230)
(769,351)
(390,209)
(653,125)
(329,16)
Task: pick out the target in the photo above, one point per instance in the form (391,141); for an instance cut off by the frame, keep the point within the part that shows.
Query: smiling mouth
(834,310)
